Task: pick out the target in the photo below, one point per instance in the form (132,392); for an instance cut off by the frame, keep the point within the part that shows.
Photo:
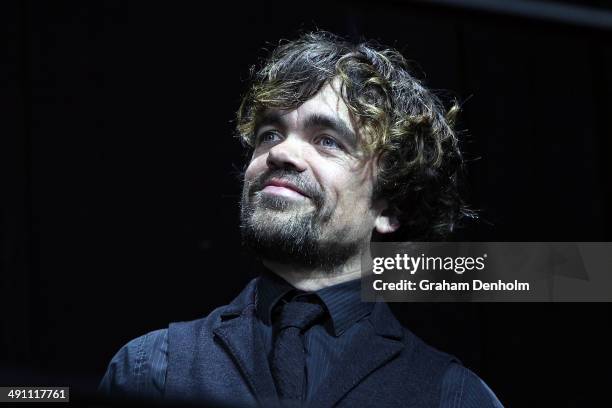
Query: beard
(288,231)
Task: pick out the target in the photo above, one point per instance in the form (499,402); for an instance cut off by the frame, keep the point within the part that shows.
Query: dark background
(120,201)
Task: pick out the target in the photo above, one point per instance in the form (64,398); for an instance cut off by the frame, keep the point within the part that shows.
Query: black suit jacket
(217,359)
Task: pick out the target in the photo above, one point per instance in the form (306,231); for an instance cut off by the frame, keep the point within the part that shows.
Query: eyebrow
(335,124)
(268,119)
(313,121)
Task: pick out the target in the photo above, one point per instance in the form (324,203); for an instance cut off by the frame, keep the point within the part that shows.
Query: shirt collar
(270,290)
(342,301)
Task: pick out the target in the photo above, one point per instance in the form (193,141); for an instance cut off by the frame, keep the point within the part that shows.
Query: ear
(387,220)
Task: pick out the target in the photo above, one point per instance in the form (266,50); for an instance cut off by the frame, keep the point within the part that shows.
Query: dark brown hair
(400,121)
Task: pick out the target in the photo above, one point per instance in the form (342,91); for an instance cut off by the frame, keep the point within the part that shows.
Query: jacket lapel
(237,332)
(370,348)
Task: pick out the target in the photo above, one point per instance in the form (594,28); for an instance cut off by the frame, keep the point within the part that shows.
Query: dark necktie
(288,357)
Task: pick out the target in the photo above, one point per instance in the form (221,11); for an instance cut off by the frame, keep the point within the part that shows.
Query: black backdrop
(119,209)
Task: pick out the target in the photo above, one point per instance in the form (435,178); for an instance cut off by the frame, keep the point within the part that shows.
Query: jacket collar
(373,346)
(236,330)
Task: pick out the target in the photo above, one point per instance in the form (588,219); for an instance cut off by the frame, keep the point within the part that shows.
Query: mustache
(309,187)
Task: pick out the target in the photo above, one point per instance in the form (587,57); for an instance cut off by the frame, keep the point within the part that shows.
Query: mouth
(283,188)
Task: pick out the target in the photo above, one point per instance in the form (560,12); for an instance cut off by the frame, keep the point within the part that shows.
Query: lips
(283,187)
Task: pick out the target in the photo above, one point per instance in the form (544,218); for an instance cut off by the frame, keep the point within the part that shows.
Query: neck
(313,279)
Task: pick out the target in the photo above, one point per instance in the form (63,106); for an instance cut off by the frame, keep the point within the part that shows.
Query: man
(347,147)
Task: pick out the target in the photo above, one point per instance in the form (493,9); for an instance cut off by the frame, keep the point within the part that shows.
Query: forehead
(327,102)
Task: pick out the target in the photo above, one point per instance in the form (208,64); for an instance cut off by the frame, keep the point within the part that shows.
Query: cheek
(255,167)
(356,199)
(345,182)
(353,194)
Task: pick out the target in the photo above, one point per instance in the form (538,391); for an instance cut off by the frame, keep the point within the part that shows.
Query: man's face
(307,196)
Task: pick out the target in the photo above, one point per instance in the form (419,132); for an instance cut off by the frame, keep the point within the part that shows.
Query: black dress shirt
(323,342)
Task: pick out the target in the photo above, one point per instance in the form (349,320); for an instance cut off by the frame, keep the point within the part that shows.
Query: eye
(328,142)
(268,137)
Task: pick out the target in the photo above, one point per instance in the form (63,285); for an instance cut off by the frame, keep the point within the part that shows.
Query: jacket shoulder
(462,388)
(419,346)
(459,386)
(241,304)
(139,367)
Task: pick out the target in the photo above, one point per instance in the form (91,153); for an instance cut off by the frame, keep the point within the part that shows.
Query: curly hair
(400,121)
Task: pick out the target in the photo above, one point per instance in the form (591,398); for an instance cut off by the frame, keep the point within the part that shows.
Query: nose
(287,154)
